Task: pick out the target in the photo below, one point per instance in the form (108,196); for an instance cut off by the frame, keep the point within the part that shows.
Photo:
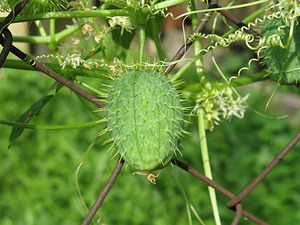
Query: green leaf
(32,112)
(283,64)
(121,44)
(153,26)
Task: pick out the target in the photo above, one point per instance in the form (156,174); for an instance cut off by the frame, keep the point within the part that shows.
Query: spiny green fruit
(283,64)
(145,118)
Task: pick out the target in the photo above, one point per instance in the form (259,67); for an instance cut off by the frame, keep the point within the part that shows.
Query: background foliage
(37,173)
(37,176)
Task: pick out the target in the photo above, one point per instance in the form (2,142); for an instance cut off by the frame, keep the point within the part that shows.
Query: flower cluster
(74,60)
(219,105)
(122,21)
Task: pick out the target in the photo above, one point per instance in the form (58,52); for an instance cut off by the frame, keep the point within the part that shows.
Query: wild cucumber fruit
(144,118)
(283,64)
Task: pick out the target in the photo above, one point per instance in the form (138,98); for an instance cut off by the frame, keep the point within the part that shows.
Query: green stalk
(70,15)
(197,46)
(40,28)
(222,8)
(206,164)
(162,5)
(68,31)
(155,32)
(53,43)
(142,41)
(201,127)
(33,39)
(46,39)
(51,127)
(94,20)
(100,72)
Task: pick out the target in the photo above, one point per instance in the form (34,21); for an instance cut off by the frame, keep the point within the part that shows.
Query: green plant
(99,49)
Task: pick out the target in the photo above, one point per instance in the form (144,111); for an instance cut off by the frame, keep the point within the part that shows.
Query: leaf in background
(153,26)
(121,44)
(33,111)
(282,63)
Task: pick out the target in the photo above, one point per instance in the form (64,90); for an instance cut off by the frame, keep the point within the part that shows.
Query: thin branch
(217,187)
(265,172)
(12,15)
(103,193)
(69,84)
(188,42)
(6,46)
(237,22)
(27,59)
(7,34)
(238,214)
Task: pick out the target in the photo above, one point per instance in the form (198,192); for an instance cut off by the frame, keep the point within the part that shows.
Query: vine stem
(53,43)
(103,193)
(71,15)
(206,164)
(51,127)
(188,43)
(155,32)
(265,172)
(142,39)
(218,188)
(201,126)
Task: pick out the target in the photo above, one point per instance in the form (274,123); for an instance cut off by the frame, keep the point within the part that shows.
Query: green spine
(145,118)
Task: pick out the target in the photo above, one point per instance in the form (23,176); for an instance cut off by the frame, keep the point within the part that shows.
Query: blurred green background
(37,184)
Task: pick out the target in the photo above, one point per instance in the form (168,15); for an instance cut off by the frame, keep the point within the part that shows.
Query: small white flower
(122,21)
(236,107)
(218,104)
(74,60)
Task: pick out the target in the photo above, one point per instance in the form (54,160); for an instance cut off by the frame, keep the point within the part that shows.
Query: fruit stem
(53,43)
(206,164)
(155,32)
(142,39)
